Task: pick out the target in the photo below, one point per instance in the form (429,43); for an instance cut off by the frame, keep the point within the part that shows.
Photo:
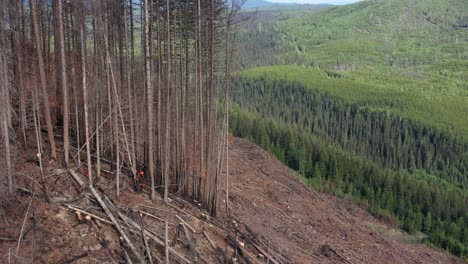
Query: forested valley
(361,109)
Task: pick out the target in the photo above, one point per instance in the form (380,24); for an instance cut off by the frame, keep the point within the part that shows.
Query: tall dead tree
(150,95)
(168,99)
(130,92)
(18,62)
(159,144)
(178,134)
(5,100)
(199,110)
(85,95)
(63,80)
(42,75)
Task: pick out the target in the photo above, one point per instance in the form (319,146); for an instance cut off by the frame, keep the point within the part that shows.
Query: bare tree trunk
(187,148)
(185,103)
(5,106)
(150,98)
(176,144)
(130,97)
(180,107)
(209,133)
(77,111)
(43,26)
(85,101)
(168,99)
(64,83)
(117,147)
(37,125)
(227,54)
(159,138)
(132,68)
(6,138)
(115,105)
(45,97)
(19,66)
(77,124)
(98,145)
(202,174)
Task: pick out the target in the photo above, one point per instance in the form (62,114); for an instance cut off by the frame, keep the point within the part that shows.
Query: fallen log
(148,251)
(27,191)
(248,257)
(213,245)
(20,237)
(155,239)
(90,214)
(183,237)
(127,258)
(117,225)
(186,224)
(77,177)
(257,243)
(155,217)
(186,234)
(145,241)
(7,239)
(264,253)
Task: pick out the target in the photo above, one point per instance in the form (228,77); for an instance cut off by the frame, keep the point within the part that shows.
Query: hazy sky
(336,2)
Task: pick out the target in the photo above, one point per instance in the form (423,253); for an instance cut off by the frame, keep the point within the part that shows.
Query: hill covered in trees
(381,33)
(377,93)
(263,5)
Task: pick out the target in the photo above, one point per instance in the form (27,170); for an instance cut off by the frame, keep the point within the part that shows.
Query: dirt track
(309,226)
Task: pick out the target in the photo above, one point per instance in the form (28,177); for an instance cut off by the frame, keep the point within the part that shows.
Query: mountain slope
(263,5)
(256,4)
(273,213)
(382,86)
(375,32)
(309,226)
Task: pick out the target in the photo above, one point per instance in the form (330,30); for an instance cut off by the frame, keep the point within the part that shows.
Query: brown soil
(272,214)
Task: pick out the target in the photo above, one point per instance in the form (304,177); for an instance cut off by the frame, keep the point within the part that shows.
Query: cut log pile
(142,243)
(126,226)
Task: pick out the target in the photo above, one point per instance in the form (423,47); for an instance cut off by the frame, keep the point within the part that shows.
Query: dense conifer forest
(350,152)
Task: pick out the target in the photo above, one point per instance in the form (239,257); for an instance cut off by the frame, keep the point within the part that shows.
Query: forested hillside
(270,5)
(259,39)
(381,33)
(375,107)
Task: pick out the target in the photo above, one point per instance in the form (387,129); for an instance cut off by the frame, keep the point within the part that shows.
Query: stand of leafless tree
(144,84)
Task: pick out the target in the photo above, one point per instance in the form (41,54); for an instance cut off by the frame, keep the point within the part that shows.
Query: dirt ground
(275,218)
